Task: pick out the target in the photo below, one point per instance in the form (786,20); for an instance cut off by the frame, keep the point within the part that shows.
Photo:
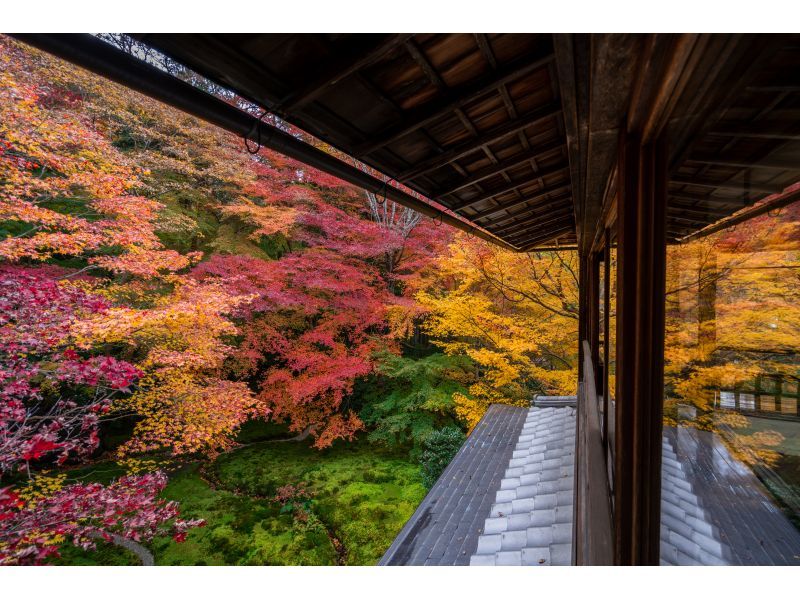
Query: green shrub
(410,398)
(439,449)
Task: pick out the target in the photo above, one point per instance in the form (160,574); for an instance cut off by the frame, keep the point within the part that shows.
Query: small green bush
(439,449)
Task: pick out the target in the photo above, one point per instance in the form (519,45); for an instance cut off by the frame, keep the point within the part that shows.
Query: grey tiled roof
(722,502)
(687,535)
(555,401)
(507,499)
(530,522)
(445,527)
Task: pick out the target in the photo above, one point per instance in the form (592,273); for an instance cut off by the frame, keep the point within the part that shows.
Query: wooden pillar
(589,309)
(606,334)
(641,263)
(594,308)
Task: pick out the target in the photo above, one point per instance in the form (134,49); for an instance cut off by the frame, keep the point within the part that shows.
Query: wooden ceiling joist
(709,199)
(743,187)
(760,164)
(539,220)
(535,210)
(543,194)
(493,135)
(455,98)
(528,181)
(530,243)
(346,62)
(536,153)
(760,131)
(696,210)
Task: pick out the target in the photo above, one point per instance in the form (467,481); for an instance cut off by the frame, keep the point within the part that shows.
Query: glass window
(732,364)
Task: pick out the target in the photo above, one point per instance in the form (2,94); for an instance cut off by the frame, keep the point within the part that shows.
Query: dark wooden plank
(347,61)
(457,98)
(488,137)
(533,220)
(512,185)
(535,153)
(539,195)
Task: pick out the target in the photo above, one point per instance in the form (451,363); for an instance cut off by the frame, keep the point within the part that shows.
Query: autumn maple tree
(514,315)
(732,318)
(52,396)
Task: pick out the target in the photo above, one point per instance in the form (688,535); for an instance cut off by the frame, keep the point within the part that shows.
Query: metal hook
(256,128)
(440,220)
(777,212)
(385,191)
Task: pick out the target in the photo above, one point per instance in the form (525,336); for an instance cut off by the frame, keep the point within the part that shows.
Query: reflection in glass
(732,355)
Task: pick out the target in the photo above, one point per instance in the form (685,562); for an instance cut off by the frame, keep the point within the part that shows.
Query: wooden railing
(593,529)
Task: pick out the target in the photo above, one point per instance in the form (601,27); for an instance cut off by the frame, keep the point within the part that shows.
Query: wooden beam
(772,89)
(556,224)
(346,61)
(759,131)
(536,220)
(533,218)
(470,145)
(641,279)
(552,234)
(456,98)
(693,222)
(419,57)
(697,210)
(486,49)
(512,186)
(509,163)
(537,209)
(735,201)
(519,201)
(764,207)
(725,185)
(542,237)
(762,164)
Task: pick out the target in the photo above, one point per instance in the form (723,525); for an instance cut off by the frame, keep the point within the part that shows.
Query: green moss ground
(361,496)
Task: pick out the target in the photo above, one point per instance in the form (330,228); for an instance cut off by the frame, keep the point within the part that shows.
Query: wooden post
(641,262)
(606,333)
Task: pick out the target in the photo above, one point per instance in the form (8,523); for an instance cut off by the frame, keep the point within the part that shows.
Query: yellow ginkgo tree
(515,315)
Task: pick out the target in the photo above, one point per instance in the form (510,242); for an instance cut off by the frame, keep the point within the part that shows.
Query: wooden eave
(506,130)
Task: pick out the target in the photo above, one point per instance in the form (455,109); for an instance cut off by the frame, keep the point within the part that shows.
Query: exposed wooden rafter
(456,98)
(725,186)
(536,153)
(536,222)
(543,194)
(531,242)
(346,62)
(470,145)
(511,186)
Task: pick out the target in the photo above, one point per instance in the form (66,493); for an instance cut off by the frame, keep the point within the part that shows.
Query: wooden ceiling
(473,122)
(748,146)
(517,132)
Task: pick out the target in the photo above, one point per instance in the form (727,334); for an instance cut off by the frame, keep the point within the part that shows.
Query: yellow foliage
(514,315)
(185,404)
(41,485)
